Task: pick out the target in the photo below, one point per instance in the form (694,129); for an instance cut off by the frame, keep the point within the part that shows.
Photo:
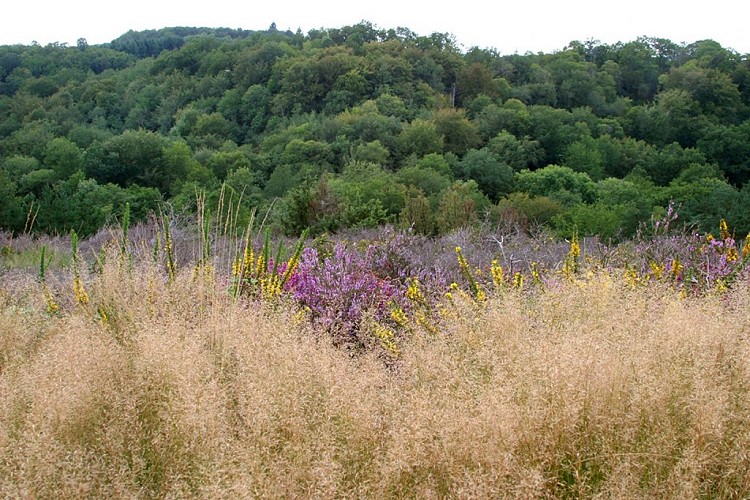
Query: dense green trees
(358,126)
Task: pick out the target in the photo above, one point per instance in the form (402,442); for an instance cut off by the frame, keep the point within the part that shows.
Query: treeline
(359,126)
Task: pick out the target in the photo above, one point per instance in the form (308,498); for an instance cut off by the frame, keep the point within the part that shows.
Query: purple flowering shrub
(340,289)
(402,280)
(692,261)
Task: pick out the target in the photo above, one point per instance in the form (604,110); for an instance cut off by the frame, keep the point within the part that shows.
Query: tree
(299,152)
(135,156)
(458,133)
(495,179)
(524,210)
(420,138)
(460,206)
(436,162)
(512,117)
(584,156)
(12,214)
(430,182)
(560,183)
(729,147)
(714,91)
(671,160)
(223,163)
(417,214)
(64,157)
(555,130)
(516,153)
(473,80)
(371,152)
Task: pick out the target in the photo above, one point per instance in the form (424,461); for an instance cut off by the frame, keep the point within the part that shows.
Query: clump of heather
(341,289)
(689,260)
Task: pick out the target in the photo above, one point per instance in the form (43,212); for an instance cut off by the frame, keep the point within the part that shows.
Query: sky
(509,27)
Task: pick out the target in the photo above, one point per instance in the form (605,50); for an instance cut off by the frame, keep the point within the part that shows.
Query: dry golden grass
(579,391)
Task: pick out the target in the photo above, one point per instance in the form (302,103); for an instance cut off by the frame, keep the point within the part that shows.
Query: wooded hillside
(359,126)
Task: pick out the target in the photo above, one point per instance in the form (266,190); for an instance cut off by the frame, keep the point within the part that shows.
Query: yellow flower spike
(676,268)
(399,316)
(79,291)
(535,275)
(732,254)
(631,277)
(413,292)
(249,258)
(724,230)
(422,321)
(52,307)
(102,315)
(518,280)
(570,266)
(657,270)
(498,274)
(466,270)
(746,247)
(387,340)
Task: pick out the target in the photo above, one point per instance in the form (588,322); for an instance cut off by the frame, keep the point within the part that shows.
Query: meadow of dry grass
(583,389)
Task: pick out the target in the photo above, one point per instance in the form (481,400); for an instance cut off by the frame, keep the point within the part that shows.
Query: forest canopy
(360,126)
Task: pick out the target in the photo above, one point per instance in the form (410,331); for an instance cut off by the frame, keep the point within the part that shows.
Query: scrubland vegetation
(460,367)
(476,275)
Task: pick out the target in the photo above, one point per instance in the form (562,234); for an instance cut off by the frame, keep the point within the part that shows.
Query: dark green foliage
(495,179)
(560,183)
(524,210)
(358,126)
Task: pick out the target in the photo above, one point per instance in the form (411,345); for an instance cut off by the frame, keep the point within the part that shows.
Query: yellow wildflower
(535,276)
(399,316)
(387,340)
(52,307)
(413,292)
(724,230)
(102,315)
(631,277)
(570,266)
(732,254)
(498,274)
(676,268)
(657,270)
(79,291)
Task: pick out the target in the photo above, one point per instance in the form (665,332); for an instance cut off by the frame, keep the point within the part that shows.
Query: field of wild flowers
(174,360)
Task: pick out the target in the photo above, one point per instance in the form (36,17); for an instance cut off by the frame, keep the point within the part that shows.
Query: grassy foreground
(583,388)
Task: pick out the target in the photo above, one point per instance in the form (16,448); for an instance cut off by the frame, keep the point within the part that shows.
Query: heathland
(368,263)
(165,361)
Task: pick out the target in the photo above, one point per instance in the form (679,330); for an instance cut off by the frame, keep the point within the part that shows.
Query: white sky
(509,26)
